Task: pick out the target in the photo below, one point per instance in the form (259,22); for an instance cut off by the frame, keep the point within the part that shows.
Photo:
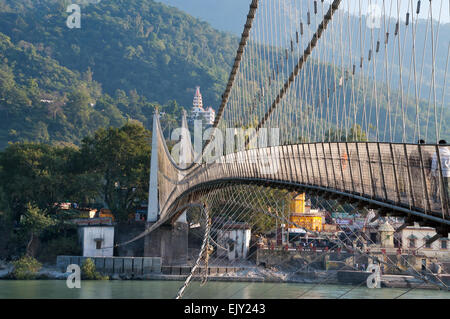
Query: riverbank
(254,274)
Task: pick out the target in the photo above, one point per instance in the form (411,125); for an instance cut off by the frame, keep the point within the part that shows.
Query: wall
(168,242)
(241,239)
(89,233)
(186,270)
(306,260)
(353,277)
(125,232)
(115,265)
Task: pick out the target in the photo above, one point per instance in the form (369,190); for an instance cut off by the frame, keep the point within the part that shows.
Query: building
(330,228)
(386,235)
(209,115)
(198,112)
(303,216)
(410,249)
(141,212)
(233,240)
(414,239)
(96,236)
(63,206)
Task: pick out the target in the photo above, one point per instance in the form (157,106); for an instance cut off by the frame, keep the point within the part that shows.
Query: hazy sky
(440,7)
(225,15)
(229,15)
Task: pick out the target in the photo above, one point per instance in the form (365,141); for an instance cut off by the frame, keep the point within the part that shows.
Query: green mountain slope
(42,101)
(59,85)
(159,51)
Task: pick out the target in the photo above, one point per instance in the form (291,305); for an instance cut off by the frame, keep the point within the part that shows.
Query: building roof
(226,225)
(101,221)
(235,226)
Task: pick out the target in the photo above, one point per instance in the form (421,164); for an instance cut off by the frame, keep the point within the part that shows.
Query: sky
(224,15)
(230,15)
(440,7)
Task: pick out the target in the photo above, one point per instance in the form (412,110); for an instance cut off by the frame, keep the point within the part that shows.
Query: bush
(88,271)
(26,268)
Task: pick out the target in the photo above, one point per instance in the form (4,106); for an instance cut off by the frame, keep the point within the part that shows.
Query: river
(168,289)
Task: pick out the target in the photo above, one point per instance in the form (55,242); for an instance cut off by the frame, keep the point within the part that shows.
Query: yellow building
(298,204)
(303,216)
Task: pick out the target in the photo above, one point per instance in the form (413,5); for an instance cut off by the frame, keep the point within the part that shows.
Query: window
(412,241)
(427,244)
(98,244)
(444,244)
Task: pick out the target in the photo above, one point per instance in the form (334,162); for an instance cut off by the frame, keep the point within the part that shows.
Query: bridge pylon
(170,241)
(153,202)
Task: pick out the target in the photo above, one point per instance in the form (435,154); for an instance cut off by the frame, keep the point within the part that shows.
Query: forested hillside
(159,51)
(42,101)
(59,84)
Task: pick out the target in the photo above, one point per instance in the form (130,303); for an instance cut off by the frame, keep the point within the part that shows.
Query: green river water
(168,289)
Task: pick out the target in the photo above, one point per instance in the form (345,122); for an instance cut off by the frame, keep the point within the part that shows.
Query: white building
(235,237)
(386,235)
(209,115)
(96,237)
(198,111)
(414,238)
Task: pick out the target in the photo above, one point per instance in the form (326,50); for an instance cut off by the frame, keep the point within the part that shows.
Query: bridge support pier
(170,242)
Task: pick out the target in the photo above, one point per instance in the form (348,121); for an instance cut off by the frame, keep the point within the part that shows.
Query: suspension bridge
(351,87)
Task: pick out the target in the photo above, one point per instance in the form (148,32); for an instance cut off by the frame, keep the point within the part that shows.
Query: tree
(332,135)
(89,271)
(78,109)
(122,157)
(356,134)
(42,175)
(33,223)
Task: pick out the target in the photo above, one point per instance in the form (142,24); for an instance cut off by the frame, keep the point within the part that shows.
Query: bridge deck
(398,175)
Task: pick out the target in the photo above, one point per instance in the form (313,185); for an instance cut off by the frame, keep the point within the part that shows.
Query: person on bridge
(444,155)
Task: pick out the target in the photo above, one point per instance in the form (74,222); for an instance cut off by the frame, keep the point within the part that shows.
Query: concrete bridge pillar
(153,201)
(170,242)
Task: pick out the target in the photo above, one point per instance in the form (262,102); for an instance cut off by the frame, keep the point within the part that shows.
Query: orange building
(106,213)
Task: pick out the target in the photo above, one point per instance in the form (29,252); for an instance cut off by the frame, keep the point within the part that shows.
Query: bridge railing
(397,175)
